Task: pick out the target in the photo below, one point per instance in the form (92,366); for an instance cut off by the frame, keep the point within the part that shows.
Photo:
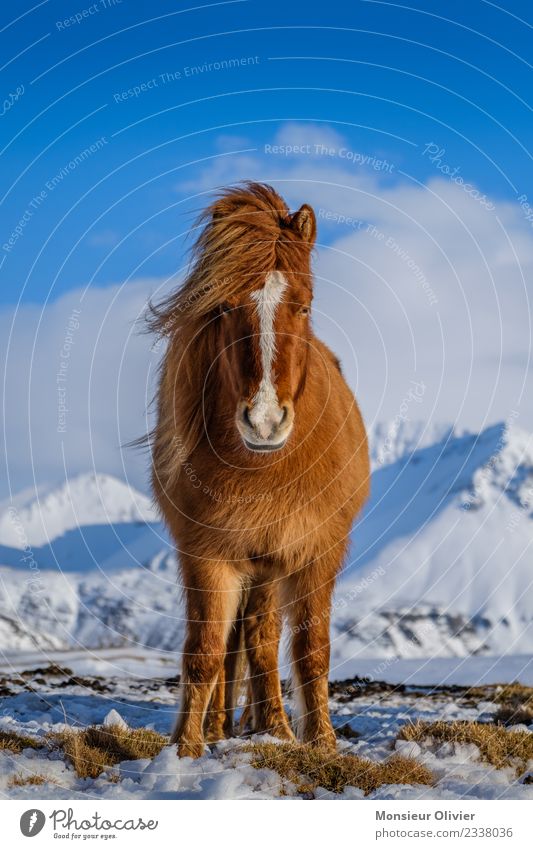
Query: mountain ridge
(439,562)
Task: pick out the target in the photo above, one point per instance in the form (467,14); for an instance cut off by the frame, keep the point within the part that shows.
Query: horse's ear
(304,222)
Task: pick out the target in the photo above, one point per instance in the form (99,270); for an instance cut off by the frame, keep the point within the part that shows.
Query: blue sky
(408,128)
(391,78)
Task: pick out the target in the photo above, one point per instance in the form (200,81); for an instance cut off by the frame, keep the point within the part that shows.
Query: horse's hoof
(323,740)
(190,750)
(281,732)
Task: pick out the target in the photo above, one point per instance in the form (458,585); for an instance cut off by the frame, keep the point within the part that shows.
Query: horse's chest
(291,518)
(275,526)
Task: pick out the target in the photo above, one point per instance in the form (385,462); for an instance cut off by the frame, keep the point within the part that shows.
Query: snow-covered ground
(151,663)
(41,703)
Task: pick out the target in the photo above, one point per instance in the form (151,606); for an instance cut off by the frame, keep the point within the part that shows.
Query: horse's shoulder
(327,354)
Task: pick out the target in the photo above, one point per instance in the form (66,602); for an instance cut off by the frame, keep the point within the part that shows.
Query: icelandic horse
(259,466)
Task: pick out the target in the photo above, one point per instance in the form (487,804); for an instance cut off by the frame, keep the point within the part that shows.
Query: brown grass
(23,780)
(15,743)
(309,767)
(516,704)
(515,701)
(514,692)
(497,746)
(93,749)
(513,716)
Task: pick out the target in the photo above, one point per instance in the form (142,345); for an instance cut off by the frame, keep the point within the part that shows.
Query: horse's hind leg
(262,630)
(215,717)
(212,590)
(234,670)
(219,717)
(307,595)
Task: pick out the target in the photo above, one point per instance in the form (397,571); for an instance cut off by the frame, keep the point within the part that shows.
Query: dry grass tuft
(514,692)
(497,746)
(513,716)
(95,748)
(309,767)
(516,704)
(23,780)
(15,743)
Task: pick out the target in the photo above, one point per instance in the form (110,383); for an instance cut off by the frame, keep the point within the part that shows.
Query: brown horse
(260,464)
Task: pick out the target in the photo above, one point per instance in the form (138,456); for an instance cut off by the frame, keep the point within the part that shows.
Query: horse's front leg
(307,595)
(212,591)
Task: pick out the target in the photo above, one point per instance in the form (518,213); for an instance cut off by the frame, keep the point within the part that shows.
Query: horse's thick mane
(244,234)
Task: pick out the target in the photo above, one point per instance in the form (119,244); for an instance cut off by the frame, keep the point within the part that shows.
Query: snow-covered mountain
(48,512)
(440,562)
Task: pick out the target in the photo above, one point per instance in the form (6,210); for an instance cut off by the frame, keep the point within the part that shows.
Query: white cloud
(84,353)
(420,282)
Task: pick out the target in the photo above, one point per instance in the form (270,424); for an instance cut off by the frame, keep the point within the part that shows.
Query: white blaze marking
(267,299)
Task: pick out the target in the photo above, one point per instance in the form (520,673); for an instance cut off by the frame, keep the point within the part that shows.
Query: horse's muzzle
(266,430)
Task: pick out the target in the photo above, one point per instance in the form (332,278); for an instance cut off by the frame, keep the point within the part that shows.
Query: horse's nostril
(285,414)
(246,415)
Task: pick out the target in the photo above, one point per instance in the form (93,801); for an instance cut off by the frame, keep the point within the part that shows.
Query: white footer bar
(262,824)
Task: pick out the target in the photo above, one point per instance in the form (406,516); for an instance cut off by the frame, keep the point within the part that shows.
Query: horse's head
(240,325)
(265,333)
